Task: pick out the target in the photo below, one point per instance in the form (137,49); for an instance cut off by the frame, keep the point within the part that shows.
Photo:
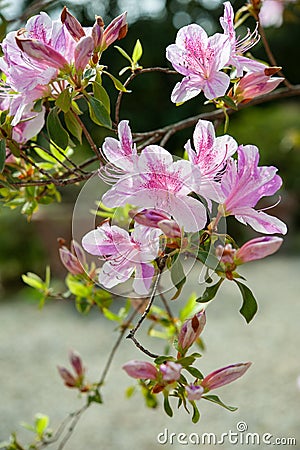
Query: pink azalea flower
(257,248)
(29,124)
(160,183)
(210,156)
(225,375)
(244,184)
(124,254)
(239,46)
(200,59)
(170,371)
(194,392)
(255,84)
(271,13)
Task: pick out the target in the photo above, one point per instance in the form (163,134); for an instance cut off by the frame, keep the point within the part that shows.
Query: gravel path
(33,342)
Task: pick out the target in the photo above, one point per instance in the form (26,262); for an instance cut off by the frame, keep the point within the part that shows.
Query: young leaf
(123,53)
(41,424)
(110,315)
(196,413)
(249,306)
(195,372)
(137,51)
(209,260)
(98,112)
(188,308)
(178,277)
(33,281)
(117,83)
(56,131)
(2,154)
(73,126)
(216,399)
(63,101)
(210,292)
(167,406)
(101,94)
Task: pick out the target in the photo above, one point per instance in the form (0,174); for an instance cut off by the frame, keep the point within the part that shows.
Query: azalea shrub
(157,218)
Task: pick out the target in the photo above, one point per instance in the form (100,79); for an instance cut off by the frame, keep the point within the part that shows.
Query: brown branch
(89,138)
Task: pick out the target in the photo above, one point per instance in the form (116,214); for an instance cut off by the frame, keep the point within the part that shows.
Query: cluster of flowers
(160,189)
(202,59)
(46,57)
(167,375)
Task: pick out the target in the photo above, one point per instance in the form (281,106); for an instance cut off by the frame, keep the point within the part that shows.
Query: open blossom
(225,375)
(210,154)
(244,184)
(271,13)
(170,371)
(255,84)
(239,46)
(159,182)
(200,59)
(121,153)
(124,254)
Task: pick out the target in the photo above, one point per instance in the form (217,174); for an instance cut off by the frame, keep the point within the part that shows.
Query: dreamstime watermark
(240,436)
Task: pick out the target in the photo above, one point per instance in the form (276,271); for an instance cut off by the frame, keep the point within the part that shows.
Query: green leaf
(82,305)
(186,361)
(209,260)
(196,413)
(64,100)
(33,281)
(111,316)
(98,112)
(41,424)
(195,372)
(117,83)
(2,154)
(77,288)
(56,131)
(95,397)
(123,53)
(210,292)
(188,308)
(167,406)
(101,94)
(130,391)
(73,126)
(229,102)
(137,51)
(38,105)
(178,277)
(249,306)
(216,399)
(161,359)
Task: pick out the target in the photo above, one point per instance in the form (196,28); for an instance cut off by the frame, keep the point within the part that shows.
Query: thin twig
(77,416)
(271,55)
(88,137)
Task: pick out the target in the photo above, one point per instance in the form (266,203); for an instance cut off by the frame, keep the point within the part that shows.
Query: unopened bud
(140,369)
(68,378)
(170,228)
(149,217)
(76,362)
(225,375)
(73,26)
(170,371)
(190,331)
(257,248)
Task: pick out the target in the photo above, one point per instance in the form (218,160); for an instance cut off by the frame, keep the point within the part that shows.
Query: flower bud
(68,378)
(97,32)
(170,371)
(170,228)
(69,259)
(140,369)
(194,392)
(190,331)
(149,217)
(73,26)
(76,362)
(257,248)
(116,30)
(225,375)
(42,53)
(254,84)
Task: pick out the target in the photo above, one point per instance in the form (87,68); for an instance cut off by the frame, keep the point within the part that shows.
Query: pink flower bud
(149,217)
(73,26)
(116,30)
(225,375)
(170,371)
(97,32)
(68,378)
(194,392)
(83,53)
(69,259)
(257,248)
(76,361)
(170,228)
(190,331)
(140,369)
(43,53)
(254,84)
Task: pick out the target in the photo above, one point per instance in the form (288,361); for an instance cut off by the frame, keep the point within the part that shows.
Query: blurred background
(33,342)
